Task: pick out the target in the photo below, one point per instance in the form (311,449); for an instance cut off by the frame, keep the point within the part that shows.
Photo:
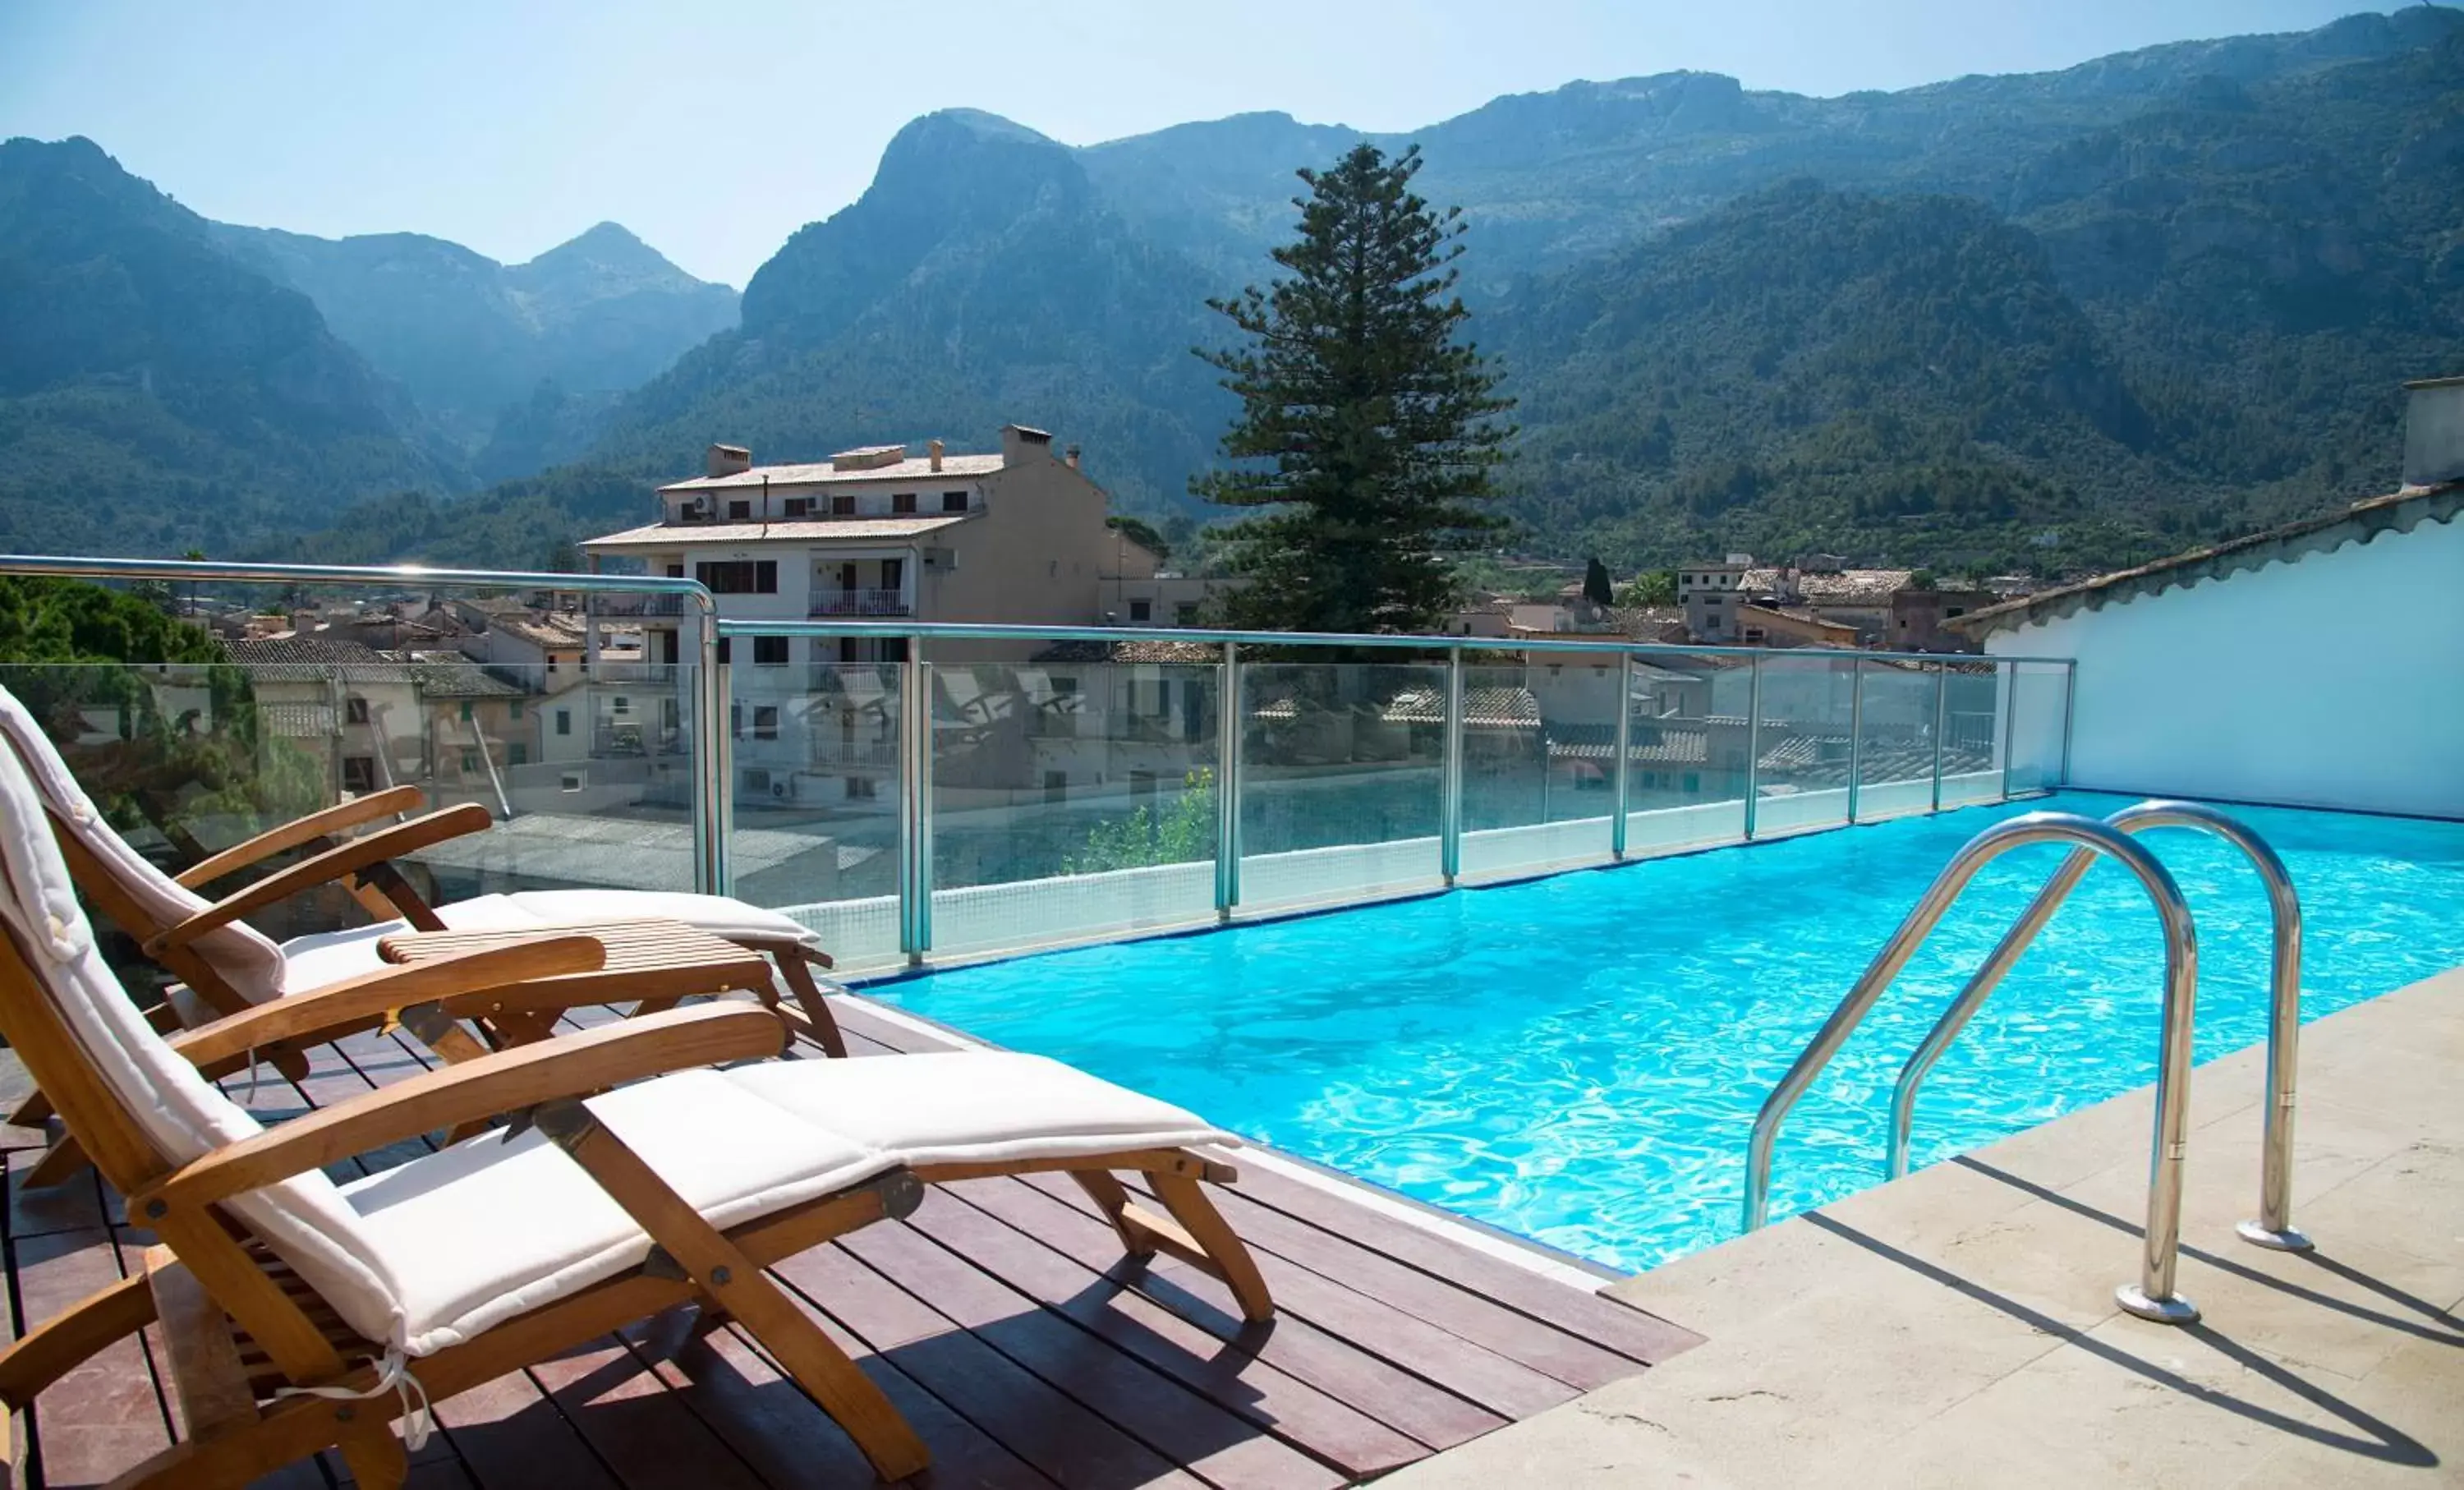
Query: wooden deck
(1000,1319)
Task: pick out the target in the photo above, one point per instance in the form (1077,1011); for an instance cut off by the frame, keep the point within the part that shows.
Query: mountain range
(2065,319)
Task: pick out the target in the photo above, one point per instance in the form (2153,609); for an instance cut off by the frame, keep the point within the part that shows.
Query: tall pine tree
(1367,427)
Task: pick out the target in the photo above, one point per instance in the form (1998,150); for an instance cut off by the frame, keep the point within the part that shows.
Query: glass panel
(1971,721)
(1895,768)
(189,759)
(1688,786)
(1538,766)
(1341,768)
(1802,778)
(1073,797)
(815,754)
(2036,726)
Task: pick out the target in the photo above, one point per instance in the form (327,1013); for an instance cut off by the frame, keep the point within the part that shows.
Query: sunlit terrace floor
(1958,1327)
(1001,1321)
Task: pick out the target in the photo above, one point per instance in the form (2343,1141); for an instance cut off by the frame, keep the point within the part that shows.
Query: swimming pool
(1578,1059)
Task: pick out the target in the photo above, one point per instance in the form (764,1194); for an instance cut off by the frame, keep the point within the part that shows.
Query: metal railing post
(1451,776)
(915,804)
(1855,732)
(1753,742)
(2009,740)
(713,775)
(2152,1295)
(2069,716)
(1624,790)
(1941,724)
(1229,727)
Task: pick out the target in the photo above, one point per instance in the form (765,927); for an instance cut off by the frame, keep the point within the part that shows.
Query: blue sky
(716,128)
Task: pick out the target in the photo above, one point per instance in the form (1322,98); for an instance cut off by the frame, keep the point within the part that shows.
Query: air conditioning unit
(781,790)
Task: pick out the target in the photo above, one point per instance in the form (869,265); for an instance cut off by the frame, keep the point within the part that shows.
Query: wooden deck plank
(510,1435)
(738,1390)
(105,1414)
(634,1423)
(1027,1416)
(1498,1382)
(1097,1289)
(1617,1327)
(1186,1427)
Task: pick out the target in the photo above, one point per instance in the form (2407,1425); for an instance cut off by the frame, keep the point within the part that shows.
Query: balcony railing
(858,602)
(637,604)
(831,752)
(653,673)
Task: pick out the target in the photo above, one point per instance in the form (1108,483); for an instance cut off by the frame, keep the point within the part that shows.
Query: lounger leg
(1226,1255)
(819,1023)
(31,1112)
(736,1285)
(1113,1198)
(375,1456)
(62,1161)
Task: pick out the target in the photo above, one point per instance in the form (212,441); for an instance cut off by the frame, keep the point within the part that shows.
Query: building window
(954,501)
(518,754)
(799,506)
(1954,610)
(735,721)
(517,708)
(355,710)
(621,706)
(1056,786)
(358,773)
(1141,610)
(675,571)
(564,721)
(903,502)
(843,506)
(466,710)
(740,511)
(739,575)
(765,721)
(769,652)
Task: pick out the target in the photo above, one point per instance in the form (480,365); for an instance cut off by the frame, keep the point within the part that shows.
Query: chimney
(726,460)
(933,447)
(1018,442)
(2433,431)
(1072,457)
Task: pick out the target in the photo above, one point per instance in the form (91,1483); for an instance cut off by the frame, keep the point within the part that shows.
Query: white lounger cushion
(975,1106)
(488,1229)
(327,957)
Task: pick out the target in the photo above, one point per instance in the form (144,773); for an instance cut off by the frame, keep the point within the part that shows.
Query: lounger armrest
(387,804)
(350,858)
(506,1081)
(338,1009)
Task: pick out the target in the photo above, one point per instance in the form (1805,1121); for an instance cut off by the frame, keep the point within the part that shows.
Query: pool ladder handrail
(2272,1228)
(2153,1296)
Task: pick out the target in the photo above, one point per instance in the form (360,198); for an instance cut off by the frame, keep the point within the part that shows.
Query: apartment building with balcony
(881,531)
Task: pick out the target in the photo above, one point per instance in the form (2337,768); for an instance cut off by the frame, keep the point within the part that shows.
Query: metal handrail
(1390,641)
(713,804)
(2273,1226)
(2152,1297)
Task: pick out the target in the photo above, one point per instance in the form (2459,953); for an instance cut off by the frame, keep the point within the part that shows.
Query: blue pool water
(1579,1059)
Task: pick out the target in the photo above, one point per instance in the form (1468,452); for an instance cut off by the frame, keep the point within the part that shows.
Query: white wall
(2336,680)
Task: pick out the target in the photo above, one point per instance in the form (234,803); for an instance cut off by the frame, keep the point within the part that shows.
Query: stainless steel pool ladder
(2153,1296)
(2272,1227)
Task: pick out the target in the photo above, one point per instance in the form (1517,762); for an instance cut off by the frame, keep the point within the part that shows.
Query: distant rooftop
(913,469)
(662,535)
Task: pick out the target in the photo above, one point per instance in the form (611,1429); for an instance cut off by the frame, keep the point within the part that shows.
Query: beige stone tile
(2411,1202)
(1736,1284)
(1608,1440)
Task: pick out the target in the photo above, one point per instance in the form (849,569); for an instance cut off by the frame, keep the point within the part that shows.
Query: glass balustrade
(1013,787)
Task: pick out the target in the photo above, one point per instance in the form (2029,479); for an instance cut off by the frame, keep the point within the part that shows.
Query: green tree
(1596,587)
(1368,430)
(1182,833)
(1653,587)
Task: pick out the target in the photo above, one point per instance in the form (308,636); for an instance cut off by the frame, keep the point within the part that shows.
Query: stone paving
(1958,1327)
